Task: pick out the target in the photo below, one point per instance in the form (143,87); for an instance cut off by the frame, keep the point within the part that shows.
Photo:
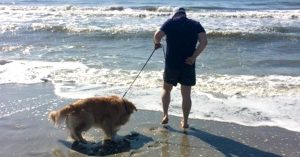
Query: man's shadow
(228,147)
(123,144)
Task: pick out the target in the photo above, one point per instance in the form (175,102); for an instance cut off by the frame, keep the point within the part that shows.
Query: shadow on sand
(124,144)
(228,147)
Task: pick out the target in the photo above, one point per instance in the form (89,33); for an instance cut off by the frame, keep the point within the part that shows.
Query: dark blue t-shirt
(182,37)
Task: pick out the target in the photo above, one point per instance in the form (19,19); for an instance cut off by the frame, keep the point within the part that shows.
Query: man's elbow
(156,32)
(158,35)
(203,39)
(205,42)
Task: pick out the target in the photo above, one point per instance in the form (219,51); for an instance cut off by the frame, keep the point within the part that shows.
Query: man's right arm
(158,35)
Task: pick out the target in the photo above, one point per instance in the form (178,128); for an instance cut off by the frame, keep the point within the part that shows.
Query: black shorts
(184,76)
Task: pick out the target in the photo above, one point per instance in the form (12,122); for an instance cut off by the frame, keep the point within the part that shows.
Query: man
(182,35)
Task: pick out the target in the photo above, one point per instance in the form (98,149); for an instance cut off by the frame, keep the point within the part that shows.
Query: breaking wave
(143,21)
(250,100)
(78,73)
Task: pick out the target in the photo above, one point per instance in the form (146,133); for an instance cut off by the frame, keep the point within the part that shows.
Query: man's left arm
(201,46)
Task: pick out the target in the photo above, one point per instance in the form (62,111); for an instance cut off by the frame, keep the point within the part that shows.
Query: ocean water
(249,73)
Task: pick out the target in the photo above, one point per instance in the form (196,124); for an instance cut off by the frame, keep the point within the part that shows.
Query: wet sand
(25,131)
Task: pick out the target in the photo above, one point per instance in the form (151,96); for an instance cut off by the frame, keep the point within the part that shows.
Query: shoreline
(27,132)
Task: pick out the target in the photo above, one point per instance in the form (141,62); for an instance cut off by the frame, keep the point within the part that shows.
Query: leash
(139,73)
(164,51)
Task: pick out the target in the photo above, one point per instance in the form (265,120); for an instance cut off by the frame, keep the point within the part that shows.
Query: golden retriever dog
(108,113)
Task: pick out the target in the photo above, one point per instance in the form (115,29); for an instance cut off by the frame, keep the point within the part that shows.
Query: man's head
(179,12)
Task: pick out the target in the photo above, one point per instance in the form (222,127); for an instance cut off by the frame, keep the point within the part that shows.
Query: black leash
(139,73)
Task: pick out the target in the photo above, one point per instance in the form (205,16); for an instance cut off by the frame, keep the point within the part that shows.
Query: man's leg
(166,98)
(186,104)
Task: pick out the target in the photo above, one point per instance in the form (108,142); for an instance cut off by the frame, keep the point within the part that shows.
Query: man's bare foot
(165,120)
(184,125)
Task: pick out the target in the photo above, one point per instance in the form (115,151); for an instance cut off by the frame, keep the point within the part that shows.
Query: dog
(108,113)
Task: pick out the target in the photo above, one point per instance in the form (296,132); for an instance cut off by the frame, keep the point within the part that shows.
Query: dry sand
(25,131)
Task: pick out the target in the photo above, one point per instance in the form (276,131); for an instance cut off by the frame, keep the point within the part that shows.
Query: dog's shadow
(124,144)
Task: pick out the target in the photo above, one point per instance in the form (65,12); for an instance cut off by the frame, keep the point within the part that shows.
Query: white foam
(29,72)
(248,100)
(76,73)
(82,19)
(279,111)
(245,85)
(8,48)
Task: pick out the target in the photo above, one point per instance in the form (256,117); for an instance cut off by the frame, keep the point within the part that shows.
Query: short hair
(179,11)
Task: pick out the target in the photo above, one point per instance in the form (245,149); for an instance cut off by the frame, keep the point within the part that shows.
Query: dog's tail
(57,117)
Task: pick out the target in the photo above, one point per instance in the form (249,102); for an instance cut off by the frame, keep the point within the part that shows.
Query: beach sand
(25,131)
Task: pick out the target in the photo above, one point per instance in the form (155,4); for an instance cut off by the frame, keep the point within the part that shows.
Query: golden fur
(107,113)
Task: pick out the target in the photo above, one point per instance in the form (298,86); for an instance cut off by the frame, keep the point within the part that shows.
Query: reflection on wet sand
(185,146)
(169,148)
(165,148)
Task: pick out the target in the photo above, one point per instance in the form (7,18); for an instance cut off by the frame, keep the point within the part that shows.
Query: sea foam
(111,20)
(244,99)
(17,71)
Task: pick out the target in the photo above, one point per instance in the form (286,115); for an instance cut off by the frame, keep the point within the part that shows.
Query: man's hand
(190,60)
(157,46)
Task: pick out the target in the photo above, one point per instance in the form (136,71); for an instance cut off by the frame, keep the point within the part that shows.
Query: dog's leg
(76,128)
(70,125)
(114,131)
(108,130)
(73,134)
(76,123)
(76,135)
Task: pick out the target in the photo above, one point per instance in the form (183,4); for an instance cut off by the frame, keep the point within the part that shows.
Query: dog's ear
(134,108)
(130,106)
